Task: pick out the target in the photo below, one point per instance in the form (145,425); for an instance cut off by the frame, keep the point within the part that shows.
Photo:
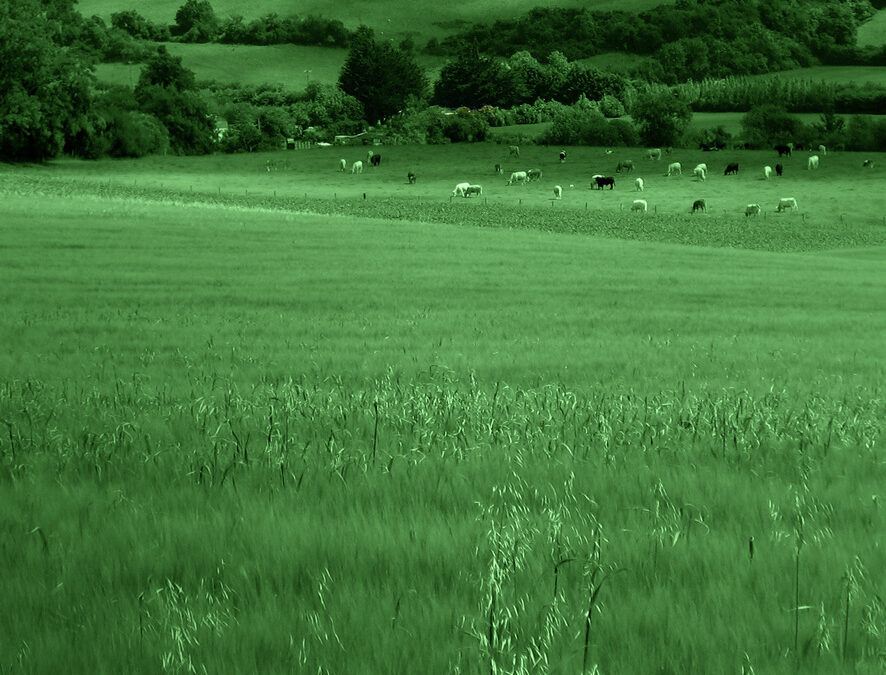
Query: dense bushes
(475,80)
(584,124)
(686,39)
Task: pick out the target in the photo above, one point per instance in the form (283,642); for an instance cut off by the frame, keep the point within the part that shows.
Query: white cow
(460,190)
(813,162)
(369,156)
(823,150)
(703,167)
(699,173)
(594,178)
(514,151)
(639,184)
(639,205)
(752,210)
(674,168)
(767,171)
(654,153)
(786,203)
(357,167)
(518,177)
(473,190)
(342,165)
(558,191)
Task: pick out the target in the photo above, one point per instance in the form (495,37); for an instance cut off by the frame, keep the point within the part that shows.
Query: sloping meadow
(242,439)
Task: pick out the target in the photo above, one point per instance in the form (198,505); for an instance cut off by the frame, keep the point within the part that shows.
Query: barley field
(253,421)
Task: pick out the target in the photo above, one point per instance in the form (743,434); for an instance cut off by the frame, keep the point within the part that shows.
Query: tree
(45,102)
(195,21)
(473,80)
(166,90)
(380,76)
(764,125)
(661,117)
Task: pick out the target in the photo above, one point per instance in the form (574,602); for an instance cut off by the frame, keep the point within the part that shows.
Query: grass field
(873,32)
(858,74)
(238,436)
(289,65)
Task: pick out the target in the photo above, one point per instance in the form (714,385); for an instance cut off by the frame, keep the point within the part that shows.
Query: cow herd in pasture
(601,182)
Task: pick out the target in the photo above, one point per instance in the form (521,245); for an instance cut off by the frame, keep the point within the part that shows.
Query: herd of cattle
(601,182)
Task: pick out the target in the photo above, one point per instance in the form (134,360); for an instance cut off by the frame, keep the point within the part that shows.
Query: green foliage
(584,124)
(165,70)
(712,137)
(687,40)
(166,90)
(661,118)
(380,76)
(611,106)
(139,27)
(45,104)
(195,21)
(769,124)
(474,81)
(273,29)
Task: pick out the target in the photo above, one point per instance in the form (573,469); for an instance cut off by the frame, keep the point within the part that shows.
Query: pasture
(873,31)
(244,434)
(291,66)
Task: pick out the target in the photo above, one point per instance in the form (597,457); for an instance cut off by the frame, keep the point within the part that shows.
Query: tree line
(50,103)
(690,39)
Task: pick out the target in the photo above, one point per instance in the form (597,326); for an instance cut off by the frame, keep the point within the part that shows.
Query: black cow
(783,150)
(603,181)
(375,160)
(778,169)
(730,168)
(410,177)
(562,155)
(699,205)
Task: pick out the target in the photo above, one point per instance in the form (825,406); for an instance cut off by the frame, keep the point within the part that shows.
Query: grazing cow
(518,177)
(460,190)
(654,153)
(752,210)
(594,185)
(699,205)
(790,147)
(357,167)
(342,164)
(703,167)
(369,156)
(640,205)
(376,160)
(730,169)
(823,150)
(813,162)
(533,174)
(411,178)
(639,184)
(675,168)
(783,150)
(868,164)
(786,203)
(767,171)
(562,156)
(514,151)
(778,169)
(498,169)
(625,164)
(699,173)
(558,192)
(603,181)
(473,190)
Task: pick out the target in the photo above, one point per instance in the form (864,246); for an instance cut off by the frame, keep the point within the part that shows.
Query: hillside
(873,32)
(422,19)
